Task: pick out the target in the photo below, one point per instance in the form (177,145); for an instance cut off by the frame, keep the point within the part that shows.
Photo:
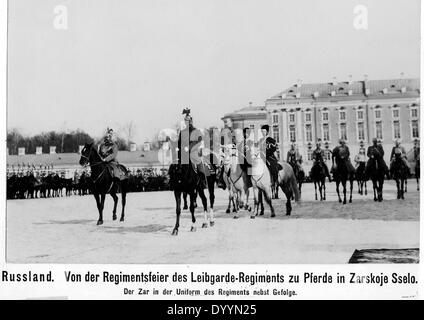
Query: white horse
(236,180)
(261,181)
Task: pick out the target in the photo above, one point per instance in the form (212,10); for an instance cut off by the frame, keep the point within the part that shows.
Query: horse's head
(86,153)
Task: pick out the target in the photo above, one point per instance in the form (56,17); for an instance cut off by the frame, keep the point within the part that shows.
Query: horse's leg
(406,185)
(403,187)
(255,203)
(398,188)
(177,195)
(261,201)
(124,190)
(267,194)
(115,203)
(365,185)
(99,208)
(351,190)
(337,190)
(211,189)
(315,186)
(323,189)
(192,208)
(185,201)
(375,187)
(380,190)
(230,197)
(202,196)
(289,195)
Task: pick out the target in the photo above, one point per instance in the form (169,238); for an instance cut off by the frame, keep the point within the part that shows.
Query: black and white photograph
(213,132)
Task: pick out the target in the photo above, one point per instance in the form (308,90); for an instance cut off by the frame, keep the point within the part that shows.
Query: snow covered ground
(63,230)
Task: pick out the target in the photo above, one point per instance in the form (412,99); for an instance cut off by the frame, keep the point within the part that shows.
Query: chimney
(52,149)
(21,151)
(350,79)
(133,147)
(80,147)
(38,150)
(334,82)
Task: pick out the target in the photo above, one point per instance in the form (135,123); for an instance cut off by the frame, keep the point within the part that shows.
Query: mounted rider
(108,152)
(342,150)
(416,150)
(228,141)
(318,156)
(399,150)
(360,158)
(268,147)
(294,157)
(376,149)
(190,147)
(243,150)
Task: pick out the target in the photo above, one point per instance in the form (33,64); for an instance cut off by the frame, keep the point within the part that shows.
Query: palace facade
(357,111)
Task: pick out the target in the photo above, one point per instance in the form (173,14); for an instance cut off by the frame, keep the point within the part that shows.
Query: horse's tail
(295,189)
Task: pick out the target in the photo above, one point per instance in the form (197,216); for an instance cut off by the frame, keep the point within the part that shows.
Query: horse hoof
(212,223)
(340,201)
(350,201)
(185,208)
(252,217)
(175,232)
(262,213)
(114,217)
(204,225)
(99,222)
(235,217)
(227,211)
(273,215)
(344,202)
(193,229)
(122,219)
(375,199)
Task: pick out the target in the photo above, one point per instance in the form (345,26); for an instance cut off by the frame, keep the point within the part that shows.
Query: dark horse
(342,174)
(103,182)
(399,173)
(362,178)
(376,173)
(318,177)
(183,178)
(298,172)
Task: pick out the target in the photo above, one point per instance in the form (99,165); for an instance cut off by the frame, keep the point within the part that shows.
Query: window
(396,113)
(343,131)
(291,117)
(414,113)
(361,131)
(360,115)
(342,115)
(378,114)
(276,133)
(308,128)
(325,132)
(308,117)
(292,133)
(396,129)
(415,130)
(325,116)
(379,130)
(310,152)
(275,118)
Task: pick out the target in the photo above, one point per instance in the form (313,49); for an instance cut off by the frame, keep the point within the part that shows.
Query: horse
(399,173)
(261,181)
(298,172)
(288,183)
(361,178)
(236,180)
(342,174)
(183,178)
(103,182)
(318,177)
(376,173)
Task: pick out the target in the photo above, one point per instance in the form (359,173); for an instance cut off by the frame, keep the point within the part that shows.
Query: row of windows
(342,115)
(342,127)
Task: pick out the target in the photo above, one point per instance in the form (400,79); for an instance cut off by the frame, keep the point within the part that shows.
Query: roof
(349,88)
(247,111)
(71,159)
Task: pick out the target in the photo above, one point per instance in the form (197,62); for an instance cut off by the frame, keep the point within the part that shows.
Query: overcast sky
(145,60)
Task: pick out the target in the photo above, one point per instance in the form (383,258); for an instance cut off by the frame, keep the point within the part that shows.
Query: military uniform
(343,150)
(379,151)
(399,150)
(268,147)
(318,156)
(108,150)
